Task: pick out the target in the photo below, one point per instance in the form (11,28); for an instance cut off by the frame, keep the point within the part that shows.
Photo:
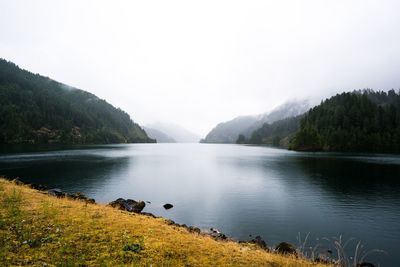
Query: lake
(241,190)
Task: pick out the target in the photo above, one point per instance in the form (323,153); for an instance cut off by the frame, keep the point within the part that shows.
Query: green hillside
(37,109)
(360,121)
(278,133)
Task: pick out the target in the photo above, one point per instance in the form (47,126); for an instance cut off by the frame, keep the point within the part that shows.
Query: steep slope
(228,132)
(360,121)
(37,109)
(278,133)
(159,136)
(287,110)
(178,133)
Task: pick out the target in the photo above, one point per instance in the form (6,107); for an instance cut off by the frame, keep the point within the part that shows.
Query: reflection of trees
(349,175)
(68,172)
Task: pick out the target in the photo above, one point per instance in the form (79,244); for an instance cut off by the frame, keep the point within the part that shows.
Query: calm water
(241,190)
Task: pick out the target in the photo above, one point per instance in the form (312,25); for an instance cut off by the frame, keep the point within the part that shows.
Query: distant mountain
(360,121)
(37,109)
(228,132)
(176,132)
(159,136)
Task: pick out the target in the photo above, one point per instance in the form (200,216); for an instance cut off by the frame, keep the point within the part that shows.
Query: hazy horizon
(197,64)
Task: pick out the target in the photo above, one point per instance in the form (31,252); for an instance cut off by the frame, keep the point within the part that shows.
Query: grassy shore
(38,229)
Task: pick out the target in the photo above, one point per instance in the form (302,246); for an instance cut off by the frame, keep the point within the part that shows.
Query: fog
(199,63)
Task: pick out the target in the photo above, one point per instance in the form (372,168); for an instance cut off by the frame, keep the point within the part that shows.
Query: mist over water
(212,72)
(197,64)
(241,190)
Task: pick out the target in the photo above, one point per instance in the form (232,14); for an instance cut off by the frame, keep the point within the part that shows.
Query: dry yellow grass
(37,229)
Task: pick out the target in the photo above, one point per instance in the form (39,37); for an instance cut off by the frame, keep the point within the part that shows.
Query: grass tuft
(335,250)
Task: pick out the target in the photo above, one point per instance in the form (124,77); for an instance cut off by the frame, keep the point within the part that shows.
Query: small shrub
(132,247)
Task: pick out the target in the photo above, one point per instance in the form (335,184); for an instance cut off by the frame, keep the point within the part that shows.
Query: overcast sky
(197,63)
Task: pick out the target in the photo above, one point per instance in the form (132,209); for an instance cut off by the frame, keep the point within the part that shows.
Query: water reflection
(352,175)
(241,190)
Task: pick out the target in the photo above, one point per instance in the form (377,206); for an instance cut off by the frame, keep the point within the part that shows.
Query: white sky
(197,63)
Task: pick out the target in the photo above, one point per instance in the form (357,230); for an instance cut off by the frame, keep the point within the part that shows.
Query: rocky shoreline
(136,207)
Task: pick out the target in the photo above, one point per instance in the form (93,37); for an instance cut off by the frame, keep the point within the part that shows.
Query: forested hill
(36,109)
(278,133)
(360,121)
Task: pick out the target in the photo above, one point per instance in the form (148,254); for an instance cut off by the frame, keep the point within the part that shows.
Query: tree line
(360,121)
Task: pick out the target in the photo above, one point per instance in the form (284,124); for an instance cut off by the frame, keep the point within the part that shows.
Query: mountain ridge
(229,131)
(37,109)
(158,135)
(176,132)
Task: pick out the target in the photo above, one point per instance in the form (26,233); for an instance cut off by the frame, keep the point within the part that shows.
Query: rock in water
(128,205)
(365,264)
(168,206)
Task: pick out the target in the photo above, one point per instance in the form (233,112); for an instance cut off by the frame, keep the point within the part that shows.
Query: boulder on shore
(81,196)
(90,200)
(38,187)
(128,205)
(56,192)
(259,241)
(17,181)
(216,234)
(286,248)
